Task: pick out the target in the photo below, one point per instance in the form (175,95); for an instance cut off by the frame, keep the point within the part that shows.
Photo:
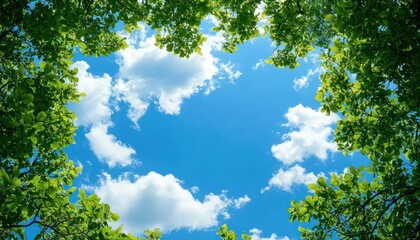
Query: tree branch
(23,225)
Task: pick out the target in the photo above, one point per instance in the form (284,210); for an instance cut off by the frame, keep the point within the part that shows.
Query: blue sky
(189,144)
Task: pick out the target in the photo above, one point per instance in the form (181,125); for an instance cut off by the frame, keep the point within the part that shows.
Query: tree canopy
(37,42)
(370,53)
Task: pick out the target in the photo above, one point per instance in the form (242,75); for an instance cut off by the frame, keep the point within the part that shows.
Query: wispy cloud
(94,107)
(303,81)
(259,64)
(94,113)
(312,72)
(240,202)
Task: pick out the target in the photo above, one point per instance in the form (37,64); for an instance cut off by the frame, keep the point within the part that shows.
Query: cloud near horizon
(156,200)
(256,235)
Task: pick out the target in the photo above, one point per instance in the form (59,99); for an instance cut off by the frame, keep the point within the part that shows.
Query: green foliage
(350,207)
(227,234)
(37,43)
(370,52)
(153,235)
(372,70)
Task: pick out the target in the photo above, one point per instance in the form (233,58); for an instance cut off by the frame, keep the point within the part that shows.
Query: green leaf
(21,69)
(302,211)
(29,98)
(319,96)
(71,190)
(353,170)
(356,87)
(27,118)
(334,179)
(310,201)
(33,139)
(231,235)
(344,187)
(48,68)
(334,49)
(321,182)
(82,194)
(4,175)
(38,126)
(313,186)
(269,61)
(374,186)
(114,217)
(329,17)
(41,116)
(301,229)
(339,57)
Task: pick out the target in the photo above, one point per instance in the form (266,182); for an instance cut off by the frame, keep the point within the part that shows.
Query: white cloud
(94,113)
(79,164)
(313,57)
(256,235)
(194,189)
(285,179)
(316,70)
(229,72)
(259,64)
(240,202)
(148,74)
(94,107)
(304,80)
(107,148)
(311,139)
(215,41)
(160,201)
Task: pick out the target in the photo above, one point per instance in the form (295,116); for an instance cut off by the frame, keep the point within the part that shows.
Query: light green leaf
(114,217)
(41,116)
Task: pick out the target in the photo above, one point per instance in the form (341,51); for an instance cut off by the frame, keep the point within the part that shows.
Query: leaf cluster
(37,42)
(227,234)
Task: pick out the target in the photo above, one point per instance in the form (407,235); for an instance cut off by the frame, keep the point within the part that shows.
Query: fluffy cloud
(160,201)
(285,179)
(149,74)
(311,138)
(94,113)
(107,148)
(94,107)
(256,235)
